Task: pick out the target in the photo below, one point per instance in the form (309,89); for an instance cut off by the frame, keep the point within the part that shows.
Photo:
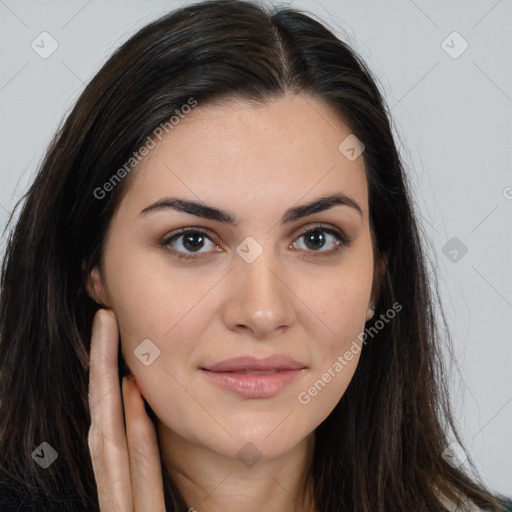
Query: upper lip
(274,362)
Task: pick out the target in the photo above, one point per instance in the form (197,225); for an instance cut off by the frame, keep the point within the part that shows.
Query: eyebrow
(292,214)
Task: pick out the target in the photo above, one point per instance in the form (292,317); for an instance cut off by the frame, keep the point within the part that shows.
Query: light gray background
(454,124)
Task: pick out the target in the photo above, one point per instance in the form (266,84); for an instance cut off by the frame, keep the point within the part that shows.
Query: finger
(143,451)
(107,438)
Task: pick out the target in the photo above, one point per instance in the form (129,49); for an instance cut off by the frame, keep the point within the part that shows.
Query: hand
(126,463)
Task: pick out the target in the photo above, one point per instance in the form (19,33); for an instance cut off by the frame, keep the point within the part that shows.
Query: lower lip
(254,385)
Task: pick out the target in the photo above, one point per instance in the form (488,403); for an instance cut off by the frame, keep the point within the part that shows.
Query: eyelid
(323,226)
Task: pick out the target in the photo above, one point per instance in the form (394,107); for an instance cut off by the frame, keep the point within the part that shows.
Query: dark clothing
(13,498)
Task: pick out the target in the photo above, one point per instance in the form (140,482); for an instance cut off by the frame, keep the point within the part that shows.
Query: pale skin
(255,163)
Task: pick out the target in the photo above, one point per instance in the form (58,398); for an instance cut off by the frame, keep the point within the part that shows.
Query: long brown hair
(381,448)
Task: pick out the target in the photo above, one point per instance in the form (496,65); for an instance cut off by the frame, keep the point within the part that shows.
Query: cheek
(338,304)
(335,349)
(335,320)
(172,312)
(151,301)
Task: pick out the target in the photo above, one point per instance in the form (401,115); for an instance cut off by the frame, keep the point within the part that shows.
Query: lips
(250,377)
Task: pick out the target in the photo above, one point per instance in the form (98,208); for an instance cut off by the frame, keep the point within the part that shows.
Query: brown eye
(318,237)
(188,242)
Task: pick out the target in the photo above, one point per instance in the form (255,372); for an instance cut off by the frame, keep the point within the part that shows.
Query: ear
(95,287)
(378,276)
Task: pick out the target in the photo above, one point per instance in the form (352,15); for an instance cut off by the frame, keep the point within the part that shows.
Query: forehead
(242,156)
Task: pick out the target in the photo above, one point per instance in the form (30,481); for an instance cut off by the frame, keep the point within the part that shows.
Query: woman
(220,246)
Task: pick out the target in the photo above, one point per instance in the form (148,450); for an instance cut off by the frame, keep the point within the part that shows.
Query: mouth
(253,378)
(273,363)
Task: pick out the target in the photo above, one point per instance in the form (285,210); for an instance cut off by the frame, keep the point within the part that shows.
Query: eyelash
(343,241)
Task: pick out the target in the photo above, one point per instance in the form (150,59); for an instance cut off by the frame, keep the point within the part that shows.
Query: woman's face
(257,287)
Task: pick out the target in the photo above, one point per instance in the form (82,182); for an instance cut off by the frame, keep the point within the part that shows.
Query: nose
(259,299)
